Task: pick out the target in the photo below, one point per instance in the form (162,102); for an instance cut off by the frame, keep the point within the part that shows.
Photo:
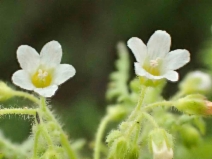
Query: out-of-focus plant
(149,125)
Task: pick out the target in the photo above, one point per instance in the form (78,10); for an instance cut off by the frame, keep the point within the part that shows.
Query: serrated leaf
(117,88)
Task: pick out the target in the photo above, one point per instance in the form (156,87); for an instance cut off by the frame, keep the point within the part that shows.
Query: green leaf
(117,88)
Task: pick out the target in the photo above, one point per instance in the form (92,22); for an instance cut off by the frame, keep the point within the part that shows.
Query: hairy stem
(18,111)
(64,139)
(99,136)
(151,119)
(140,102)
(157,104)
(36,140)
(27,95)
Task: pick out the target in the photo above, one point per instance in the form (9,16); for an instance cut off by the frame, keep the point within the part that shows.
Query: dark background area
(88,31)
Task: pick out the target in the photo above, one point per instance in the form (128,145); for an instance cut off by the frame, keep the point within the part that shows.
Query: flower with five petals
(154,61)
(42,73)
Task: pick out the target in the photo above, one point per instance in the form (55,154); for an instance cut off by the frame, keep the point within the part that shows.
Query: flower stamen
(42,74)
(154,63)
(41,78)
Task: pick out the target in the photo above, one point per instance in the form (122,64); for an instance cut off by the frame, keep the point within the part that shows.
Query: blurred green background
(88,31)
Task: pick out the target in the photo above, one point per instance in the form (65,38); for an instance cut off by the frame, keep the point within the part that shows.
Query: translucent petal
(176,59)
(162,152)
(22,79)
(171,76)
(138,48)
(62,73)
(51,54)
(158,45)
(28,58)
(47,91)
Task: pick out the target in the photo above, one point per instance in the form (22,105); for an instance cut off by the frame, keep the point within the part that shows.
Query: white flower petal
(176,59)
(171,75)
(47,91)
(142,72)
(22,79)
(28,58)
(62,73)
(158,45)
(162,152)
(138,48)
(51,54)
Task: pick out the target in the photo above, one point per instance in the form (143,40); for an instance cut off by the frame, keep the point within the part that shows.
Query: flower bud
(133,152)
(160,143)
(209,107)
(194,104)
(5,91)
(124,148)
(118,149)
(116,112)
(196,82)
(113,135)
(190,135)
(162,151)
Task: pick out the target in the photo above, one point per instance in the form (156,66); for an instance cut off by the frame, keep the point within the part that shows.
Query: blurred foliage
(119,80)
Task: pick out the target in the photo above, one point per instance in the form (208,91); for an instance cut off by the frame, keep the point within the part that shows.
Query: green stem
(27,95)
(141,98)
(157,104)
(64,140)
(36,140)
(138,126)
(140,102)
(43,104)
(135,123)
(46,135)
(66,145)
(99,136)
(151,119)
(18,111)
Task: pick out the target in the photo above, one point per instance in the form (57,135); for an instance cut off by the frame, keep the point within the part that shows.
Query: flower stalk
(99,136)
(64,140)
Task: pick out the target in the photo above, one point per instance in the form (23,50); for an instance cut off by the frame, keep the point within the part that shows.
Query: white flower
(154,61)
(203,80)
(42,73)
(196,82)
(162,152)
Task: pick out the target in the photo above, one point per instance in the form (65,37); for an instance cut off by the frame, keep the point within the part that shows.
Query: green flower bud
(133,152)
(119,149)
(5,91)
(196,82)
(114,134)
(193,104)
(125,125)
(116,112)
(190,135)
(124,149)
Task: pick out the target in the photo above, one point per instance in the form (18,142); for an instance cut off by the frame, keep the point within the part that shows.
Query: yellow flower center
(153,67)
(41,78)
